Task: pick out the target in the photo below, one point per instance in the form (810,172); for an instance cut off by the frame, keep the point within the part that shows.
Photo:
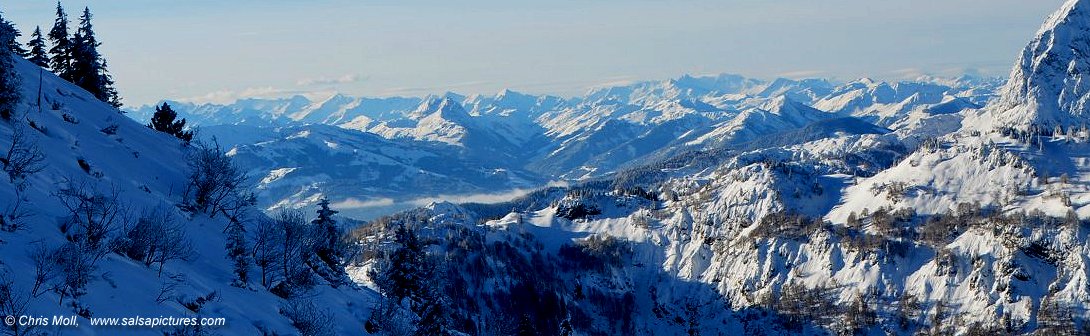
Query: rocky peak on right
(1049,87)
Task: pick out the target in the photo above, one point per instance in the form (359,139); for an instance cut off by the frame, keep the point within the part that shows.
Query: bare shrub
(73,265)
(389,318)
(156,238)
(168,288)
(93,215)
(308,318)
(216,184)
(23,156)
(282,247)
(45,267)
(12,304)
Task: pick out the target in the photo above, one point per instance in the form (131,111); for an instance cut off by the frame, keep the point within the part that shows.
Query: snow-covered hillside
(100,163)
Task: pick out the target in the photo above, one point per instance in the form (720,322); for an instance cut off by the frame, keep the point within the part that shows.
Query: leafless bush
(23,156)
(169,286)
(198,303)
(308,318)
(14,215)
(12,304)
(45,267)
(281,249)
(216,184)
(156,238)
(799,305)
(73,265)
(388,318)
(265,252)
(94,215)
(787,225)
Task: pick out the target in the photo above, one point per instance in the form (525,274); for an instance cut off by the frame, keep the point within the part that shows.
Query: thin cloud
(346,79)
(230,96)
(614,82)
(908,73)
(396,91)
(486,198)
(474,198)
(803,74)
(354,203)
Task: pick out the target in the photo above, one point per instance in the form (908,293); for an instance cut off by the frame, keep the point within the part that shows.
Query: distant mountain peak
(782,104)
(444,107)
(867,81)
(508,92)
(508,95)
(1049,85)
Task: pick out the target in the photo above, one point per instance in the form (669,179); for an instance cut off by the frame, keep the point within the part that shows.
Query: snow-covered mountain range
(513,141)
(866,209)
(716,205)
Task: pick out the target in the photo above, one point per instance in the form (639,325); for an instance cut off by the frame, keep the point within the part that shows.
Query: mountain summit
(1048,86)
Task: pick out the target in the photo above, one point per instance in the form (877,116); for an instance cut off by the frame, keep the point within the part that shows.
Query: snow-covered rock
(1049,85)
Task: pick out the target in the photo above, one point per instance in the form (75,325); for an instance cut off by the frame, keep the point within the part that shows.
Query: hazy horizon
(207,51)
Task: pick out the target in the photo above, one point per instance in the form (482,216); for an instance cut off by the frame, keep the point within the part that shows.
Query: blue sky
(208,50)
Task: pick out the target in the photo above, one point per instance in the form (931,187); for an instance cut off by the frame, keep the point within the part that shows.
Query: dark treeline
(71,54)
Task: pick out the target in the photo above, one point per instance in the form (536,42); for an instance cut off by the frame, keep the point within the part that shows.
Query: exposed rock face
(1048,86)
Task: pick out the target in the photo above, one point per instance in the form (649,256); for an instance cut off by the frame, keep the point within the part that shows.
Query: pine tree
(434,318)
(164,120)
(61,53)
(108,87)
(88,67)
(13,44)
(408,270)
(410,276)
(328,234)
(9,80)
(237,252)
(38,54)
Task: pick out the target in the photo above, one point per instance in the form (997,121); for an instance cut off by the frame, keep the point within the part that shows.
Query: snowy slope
(362,173)
(147,170)
(776,115)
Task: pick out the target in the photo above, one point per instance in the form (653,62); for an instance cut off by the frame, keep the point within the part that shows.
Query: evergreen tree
(13,44)
(61,53)
(328,235)
(409,276)
(9,80)
(237,252)
(88,67)
(434,318)
(38,54)
(164,120)
(108,86)
(408,270)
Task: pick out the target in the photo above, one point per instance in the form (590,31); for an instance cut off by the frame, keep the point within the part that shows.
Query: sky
(219,51)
